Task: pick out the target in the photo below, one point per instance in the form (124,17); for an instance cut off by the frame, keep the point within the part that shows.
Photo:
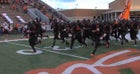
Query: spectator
(13,6)
(25,8)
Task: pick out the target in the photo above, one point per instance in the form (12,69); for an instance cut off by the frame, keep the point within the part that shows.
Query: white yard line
(70,55)
(23,39)
(13,40)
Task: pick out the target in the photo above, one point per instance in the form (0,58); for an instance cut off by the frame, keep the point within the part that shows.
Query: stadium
(37,39)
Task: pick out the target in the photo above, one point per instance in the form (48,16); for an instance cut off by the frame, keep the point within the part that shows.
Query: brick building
(115,8)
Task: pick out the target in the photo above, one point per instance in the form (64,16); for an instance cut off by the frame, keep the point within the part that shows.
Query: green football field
(12,62)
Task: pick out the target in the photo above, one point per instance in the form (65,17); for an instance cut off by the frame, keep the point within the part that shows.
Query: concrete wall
(80,18)
(79,14)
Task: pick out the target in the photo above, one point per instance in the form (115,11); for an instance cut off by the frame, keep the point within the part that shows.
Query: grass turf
(13,63)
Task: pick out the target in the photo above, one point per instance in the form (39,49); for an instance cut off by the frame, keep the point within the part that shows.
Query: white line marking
(13,40)
(23,52)
(23,39)
(75,56)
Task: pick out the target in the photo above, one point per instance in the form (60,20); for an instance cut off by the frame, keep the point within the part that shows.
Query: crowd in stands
(5,27)
(4,1)
(25,4)
(21,3)
(19,28)
(47,10)
(14,4)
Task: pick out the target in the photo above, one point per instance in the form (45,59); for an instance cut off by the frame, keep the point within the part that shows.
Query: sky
(78,4)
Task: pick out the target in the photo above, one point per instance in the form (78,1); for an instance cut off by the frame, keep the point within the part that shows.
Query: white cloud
(85,4)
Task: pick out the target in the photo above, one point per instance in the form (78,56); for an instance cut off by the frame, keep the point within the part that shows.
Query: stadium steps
(53,11)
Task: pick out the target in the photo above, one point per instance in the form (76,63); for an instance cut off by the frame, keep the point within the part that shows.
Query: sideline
(22,39)
(13,40)
(70,55)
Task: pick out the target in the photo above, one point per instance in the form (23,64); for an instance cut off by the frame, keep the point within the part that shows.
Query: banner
(126,13)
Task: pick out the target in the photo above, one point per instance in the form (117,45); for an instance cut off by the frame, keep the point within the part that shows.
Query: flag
(126,13)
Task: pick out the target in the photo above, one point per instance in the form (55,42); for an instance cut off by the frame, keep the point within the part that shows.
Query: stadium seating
(4,1)
(5,15)
(20,19)
(12,11)
(53,11)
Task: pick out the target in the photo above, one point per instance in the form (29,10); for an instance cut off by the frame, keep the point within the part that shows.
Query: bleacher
(4,2)
(11,15)
(49,11)
(22,7)
(21,19)
(18,11)
(7,18)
